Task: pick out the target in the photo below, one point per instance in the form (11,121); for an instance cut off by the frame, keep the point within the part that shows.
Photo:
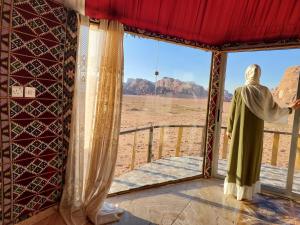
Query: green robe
(246,143)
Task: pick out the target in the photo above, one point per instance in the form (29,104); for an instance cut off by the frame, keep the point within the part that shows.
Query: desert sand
(140,111)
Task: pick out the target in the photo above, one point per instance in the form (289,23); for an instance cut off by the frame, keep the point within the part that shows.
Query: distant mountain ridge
(169,87)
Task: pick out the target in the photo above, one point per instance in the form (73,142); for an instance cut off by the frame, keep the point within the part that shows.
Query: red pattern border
(169,38)
(217,74)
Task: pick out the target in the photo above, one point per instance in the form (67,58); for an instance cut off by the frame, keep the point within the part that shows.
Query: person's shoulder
(255,87)
(264,87)
(238,89)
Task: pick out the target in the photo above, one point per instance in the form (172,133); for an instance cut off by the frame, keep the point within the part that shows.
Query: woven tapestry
(35,48)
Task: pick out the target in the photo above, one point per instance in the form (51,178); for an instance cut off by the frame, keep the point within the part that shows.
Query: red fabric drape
(213,22)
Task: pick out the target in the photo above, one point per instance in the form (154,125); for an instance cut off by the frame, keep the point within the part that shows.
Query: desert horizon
(148,110)
(172,101)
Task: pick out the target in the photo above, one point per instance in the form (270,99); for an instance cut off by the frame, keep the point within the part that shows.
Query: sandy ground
(140,111)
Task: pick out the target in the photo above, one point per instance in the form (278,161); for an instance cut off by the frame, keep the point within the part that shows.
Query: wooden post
(179,138)
(150,144)
(297,163)
(275,149)
(215,93)
(133,151)
(202,150)
(161,142)
(225,145)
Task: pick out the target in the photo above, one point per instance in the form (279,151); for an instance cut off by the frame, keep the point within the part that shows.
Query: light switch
(29,92)
(17,91)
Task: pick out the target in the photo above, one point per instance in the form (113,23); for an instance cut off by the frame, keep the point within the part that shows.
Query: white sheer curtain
(95,125)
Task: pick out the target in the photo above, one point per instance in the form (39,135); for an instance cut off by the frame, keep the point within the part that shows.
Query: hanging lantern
(156,73)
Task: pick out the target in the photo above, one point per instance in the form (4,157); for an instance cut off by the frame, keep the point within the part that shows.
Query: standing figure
(252,104)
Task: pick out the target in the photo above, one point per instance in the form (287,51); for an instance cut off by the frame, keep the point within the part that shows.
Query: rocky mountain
(176,88)
(286,91)
(138,87)
(227,96)
(167,87)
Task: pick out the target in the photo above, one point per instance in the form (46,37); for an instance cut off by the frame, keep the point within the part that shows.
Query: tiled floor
(195,203)
(174,168)
(202,202)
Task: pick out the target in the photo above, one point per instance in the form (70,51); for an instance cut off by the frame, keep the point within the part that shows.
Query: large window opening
(164,108)
(280,73)
(164,112)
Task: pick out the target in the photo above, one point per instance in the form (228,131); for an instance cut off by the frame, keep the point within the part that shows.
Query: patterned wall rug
(38,49)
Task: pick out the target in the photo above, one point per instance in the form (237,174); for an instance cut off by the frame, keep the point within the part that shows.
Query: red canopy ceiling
(212,22)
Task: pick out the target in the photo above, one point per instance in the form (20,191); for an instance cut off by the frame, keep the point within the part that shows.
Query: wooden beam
(161,142)
(179,139)
(275,149)
(261,46)
(214,110)
(156,185)
(149,158)
(133,151)
(297,163)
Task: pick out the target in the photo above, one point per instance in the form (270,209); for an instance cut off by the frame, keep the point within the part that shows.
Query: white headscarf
(259,99)
(252,75)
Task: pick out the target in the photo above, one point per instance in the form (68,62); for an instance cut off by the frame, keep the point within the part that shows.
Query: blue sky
(142,57)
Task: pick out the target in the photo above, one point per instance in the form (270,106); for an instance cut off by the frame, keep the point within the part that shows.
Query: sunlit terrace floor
(174,168)
(197,202)
(202,202)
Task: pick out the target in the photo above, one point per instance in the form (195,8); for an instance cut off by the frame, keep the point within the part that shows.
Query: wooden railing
(275,146)
(224,149)
(161,139)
